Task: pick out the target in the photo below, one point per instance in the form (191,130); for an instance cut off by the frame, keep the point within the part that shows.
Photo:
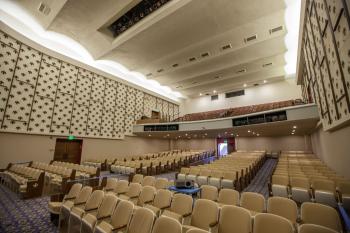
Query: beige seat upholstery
(196,230)
(111,184)
(320,214)
(300,189)
(254,202)
(55,207)
(119,219)
(228,197)
(204,216)
(161,201)
(268,223)
(133,192)
(280,185)
(168,225)
(209,192)
(148,181)
(81,199)
(142,221)
(104,211)
(121,187)
(312,228)
(161,183)
(324,191)
(77,213)
(147,195)
(283,207)
(234,219)
(137,178)
(181,207)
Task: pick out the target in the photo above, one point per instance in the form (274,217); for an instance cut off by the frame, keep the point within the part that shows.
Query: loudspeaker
(188,184)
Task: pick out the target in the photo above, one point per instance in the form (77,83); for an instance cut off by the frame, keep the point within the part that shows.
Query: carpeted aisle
(260,181)
(18,215)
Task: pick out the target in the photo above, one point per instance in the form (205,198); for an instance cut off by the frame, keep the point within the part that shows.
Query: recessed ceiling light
(231,134)
(149,135)
(265,81)
(245,85)
(205,134)
(214,91)
(225,132)
(294,127)
(292,133)
(248,131)
(167,135)
(186,134)
(200,94)
(237,135)
(257,134)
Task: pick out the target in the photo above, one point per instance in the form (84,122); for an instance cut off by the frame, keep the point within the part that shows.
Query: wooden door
(68,150)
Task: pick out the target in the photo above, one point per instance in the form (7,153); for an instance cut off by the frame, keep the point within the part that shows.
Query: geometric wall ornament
(42,94)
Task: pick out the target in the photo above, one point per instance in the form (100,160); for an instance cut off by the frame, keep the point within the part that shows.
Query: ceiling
(178,31)
(285,128)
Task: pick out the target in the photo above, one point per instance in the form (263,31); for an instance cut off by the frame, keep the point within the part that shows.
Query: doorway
(68,150)
(225,146)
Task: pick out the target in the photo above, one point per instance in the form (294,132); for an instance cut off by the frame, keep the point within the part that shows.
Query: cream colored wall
(195,144)
(270,92)
(333,148)
(23,147)
(283,143)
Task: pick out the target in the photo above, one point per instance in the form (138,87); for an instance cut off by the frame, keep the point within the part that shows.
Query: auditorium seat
(141,221)
(283,207)
(137,178)
(300,189)
(215,178)
(133,192)
(104,211)
(55,207)
(267,223)
(161,183)
(254,202)
(147,195)
(234,219)
(180,208)
(148,181)
(121,187)
(196,230)
(164,224)
(111,184)
(209,192)
(204,216)
(77,213)
(161,201)
(319,214)
(344,194)
(80,201)
(228,197)
(280,185)
(203,177)
(324,191)
(312,228)
(119,219)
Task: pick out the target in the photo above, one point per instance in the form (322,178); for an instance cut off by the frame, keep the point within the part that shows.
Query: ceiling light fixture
(245,85)
(265,81)
(214,91)
(248,131)
(294,127)
(200,94)
(149,135)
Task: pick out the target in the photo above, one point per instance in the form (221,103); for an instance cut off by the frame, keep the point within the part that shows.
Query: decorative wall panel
(326,54)
(41,94)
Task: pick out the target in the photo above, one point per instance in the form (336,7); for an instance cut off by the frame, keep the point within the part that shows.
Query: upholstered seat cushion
(55,207)
(173,215)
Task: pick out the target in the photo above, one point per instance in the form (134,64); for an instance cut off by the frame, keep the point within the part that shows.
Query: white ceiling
(176,32)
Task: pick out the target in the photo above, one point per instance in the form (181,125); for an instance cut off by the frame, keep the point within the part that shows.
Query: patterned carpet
(32,215)
(260,181)
(18,215)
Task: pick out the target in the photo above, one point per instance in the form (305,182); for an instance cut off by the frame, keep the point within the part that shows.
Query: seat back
(94,200)
(83,195)
(161,183)
(147,195)
(320,214)
(181,204)
(209,192)
(142,221)
(253,201)
(122,214)
(283,207)
(107,206)
(280,180)
(228,197)
(74,191)
(165,224)
(234,219)
(300,182)
(195,230)
(111,183)
(121,187)
(148,181)
(324,185)
(312,228)
(267,223)
(205,214)
(162,198)
(134,190)
(137,178)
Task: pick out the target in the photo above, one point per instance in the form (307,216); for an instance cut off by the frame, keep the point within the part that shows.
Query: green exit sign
(71,137)
(225,141)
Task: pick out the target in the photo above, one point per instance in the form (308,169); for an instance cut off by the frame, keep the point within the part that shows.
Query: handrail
(345,217)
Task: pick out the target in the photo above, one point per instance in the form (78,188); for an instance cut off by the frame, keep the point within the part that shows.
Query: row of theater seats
(82,171)
(160,164)
(236,111)
(233,171)
(85,210)
(303,177)
(24,180)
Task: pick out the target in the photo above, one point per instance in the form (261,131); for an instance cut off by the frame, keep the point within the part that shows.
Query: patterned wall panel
(326,50)
(42,94)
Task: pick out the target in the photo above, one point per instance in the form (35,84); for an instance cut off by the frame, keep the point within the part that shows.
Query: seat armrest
(186,215)
(103,217)
(80,203)
(165,207)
